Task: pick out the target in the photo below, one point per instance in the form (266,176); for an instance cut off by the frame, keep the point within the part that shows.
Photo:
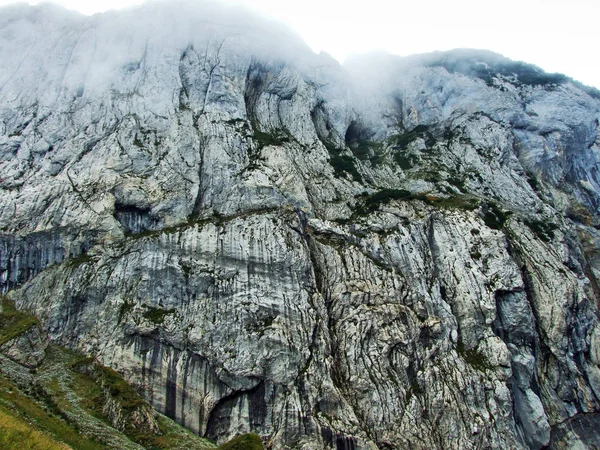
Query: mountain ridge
(260,241)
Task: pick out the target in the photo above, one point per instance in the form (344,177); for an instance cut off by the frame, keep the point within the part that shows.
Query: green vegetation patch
(358,138)
(137,142)
(92,382)
(416,389)
(40,417)
(173,436)
(125,308)
(63,403)
(475,253)
(485,67)
(372,202)
(78,260)
(454,202)
(495,217)
(385,195)
(533,182)
(342,164)
(404,160)
(16,434)
(119,389)
(371,151)
(577,212)
(239,122)
(248,441)
(474,358)
(13,323)
(161,231)
(402,141)
(260,325)
(157,315)
(264,139)
(459,183)
(543,230)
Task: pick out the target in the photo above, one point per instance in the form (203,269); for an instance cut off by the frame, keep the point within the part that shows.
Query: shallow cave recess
(135,219)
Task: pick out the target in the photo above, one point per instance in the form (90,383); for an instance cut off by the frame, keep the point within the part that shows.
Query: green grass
(91,381)
(67,393)
(174,436)
(42,417)
(119,389)
(13,323)
(88,390)
(107,379)
(16,434)
(248,441)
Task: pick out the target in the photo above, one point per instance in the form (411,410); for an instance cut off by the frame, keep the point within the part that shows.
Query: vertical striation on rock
(398,253)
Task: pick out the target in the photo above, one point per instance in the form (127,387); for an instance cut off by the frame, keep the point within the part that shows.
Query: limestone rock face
(27,349)
(399,253)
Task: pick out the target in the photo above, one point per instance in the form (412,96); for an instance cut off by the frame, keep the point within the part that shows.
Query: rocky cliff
(53,398)
(398,253)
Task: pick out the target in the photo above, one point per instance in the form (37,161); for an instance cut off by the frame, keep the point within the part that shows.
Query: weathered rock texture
(72,398)
(402,253)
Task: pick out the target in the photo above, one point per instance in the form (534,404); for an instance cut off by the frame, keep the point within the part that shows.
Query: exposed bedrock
(398,253)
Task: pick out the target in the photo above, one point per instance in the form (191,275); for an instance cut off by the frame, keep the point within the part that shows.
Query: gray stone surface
(399,253)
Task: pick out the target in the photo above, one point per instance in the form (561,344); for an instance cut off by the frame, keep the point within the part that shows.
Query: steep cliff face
(401,253)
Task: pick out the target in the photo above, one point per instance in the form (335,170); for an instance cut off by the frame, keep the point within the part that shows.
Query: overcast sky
(557,35)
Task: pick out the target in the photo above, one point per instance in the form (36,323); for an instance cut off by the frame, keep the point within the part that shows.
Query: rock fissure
(396,253)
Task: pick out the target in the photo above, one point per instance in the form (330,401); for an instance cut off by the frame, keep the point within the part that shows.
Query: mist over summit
(390,253)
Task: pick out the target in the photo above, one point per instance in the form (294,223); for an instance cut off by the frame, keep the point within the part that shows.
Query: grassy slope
(248,441)
(19,435)
(59,403)
(26,417)
(13,322)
